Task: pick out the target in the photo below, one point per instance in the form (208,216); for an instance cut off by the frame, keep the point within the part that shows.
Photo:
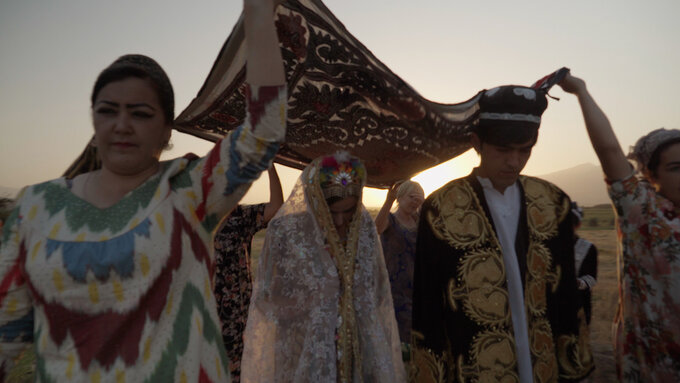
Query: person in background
(109,273)
(321,309)
(495,295)
(233,277)
(585,257)
(647,204)
(398,232)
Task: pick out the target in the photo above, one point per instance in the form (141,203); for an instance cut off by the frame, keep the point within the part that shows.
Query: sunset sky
(627,51)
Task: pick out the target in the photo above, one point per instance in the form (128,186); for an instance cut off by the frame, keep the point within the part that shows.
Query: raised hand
(571,84)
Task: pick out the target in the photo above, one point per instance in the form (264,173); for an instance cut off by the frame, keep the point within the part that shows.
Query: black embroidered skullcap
(135,65)
(512,106)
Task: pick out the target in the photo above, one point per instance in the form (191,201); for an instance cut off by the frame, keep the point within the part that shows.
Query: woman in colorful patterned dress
(233,278)
(647,204)
(398,233)
(109,275)
(321,309)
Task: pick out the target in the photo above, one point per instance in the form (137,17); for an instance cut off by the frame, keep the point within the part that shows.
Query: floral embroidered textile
(341,97)
(233,282)
(647,334)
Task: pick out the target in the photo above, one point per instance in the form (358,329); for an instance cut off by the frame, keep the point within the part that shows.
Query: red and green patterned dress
(124,294)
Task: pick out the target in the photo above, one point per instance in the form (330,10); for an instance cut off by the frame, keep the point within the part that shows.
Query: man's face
(502,164)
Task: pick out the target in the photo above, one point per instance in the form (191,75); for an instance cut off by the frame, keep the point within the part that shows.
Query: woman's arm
(222,177)
(607,147)
(275,195)
(382,219)
(264,66)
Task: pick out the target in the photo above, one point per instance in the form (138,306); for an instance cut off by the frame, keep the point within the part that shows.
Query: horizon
(447,52)
(373,198)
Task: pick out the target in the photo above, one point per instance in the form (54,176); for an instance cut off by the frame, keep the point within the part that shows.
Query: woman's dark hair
(142,67)
(655,158)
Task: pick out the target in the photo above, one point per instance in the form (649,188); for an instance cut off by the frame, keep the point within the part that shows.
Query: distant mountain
(584,183)
(8,192)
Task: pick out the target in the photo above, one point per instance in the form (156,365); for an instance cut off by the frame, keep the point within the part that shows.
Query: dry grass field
(605,298)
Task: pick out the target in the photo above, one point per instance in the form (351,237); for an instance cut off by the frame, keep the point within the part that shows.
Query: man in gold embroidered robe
(494,285)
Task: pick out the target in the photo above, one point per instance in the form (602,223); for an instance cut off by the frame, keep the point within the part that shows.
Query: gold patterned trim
(539,277)
(494,356)
(482,279)
(344,256)
(425,367)
(459,219)
(543,211)
(543,348)
(574,353)
(480,287)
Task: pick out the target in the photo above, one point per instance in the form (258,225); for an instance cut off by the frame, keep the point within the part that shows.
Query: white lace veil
(296,309)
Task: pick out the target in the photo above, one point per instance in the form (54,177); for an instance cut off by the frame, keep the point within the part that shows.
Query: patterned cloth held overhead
(647,334)
(233,282)
(399,248)
(321,309)
(124,293)
(340,97)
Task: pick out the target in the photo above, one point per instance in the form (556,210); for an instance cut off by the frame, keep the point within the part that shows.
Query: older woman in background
(398,233)
(109,273)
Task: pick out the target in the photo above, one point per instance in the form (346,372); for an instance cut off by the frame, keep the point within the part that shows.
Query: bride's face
(342,212)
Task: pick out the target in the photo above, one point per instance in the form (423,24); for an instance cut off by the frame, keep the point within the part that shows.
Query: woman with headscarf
(398,232)
(321,309)
(647,204)
(109,274)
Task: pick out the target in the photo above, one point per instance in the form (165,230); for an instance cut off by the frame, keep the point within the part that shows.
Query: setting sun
(431,179)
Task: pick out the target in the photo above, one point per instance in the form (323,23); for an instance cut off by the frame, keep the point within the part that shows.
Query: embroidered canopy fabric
(340,97)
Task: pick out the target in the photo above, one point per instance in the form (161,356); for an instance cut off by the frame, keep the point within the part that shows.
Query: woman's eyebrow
(135,105)
(141,104)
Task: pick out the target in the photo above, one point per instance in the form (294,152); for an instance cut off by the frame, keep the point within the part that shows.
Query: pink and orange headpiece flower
(341,175)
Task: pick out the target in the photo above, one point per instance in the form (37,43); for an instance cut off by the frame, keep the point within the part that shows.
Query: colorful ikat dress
(124,294)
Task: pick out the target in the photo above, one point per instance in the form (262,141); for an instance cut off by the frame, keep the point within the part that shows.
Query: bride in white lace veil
(321,309)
